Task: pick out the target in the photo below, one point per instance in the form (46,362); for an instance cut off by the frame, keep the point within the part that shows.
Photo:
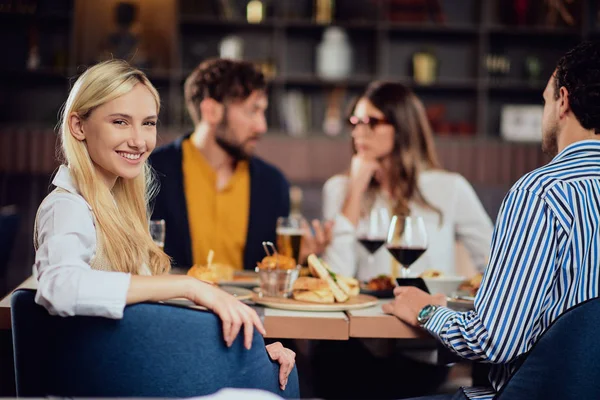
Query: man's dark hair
(222,80)
(579,72)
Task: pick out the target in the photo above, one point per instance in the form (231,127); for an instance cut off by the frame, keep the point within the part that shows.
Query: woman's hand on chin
(361,172)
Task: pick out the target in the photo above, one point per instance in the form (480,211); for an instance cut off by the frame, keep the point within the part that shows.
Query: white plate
(354,303)
(240,293)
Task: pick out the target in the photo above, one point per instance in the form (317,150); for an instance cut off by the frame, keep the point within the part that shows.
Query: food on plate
(325,286)
(203,273)
(348,285)
(320,271)
(313,290)
(381,283)
(212,273)
(431,273)
(277,261)
(471,285)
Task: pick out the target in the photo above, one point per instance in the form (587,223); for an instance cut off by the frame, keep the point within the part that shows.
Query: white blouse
(67,285)
(464,219)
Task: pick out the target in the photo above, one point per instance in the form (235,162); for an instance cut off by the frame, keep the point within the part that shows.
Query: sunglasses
(354,121)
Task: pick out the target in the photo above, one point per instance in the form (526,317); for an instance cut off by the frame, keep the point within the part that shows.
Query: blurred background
(480,66)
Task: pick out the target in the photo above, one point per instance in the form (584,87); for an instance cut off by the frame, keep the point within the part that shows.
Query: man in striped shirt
(545,255)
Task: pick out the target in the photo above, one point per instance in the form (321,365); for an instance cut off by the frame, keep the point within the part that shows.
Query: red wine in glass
(406,241)
(406,256)
(372,245)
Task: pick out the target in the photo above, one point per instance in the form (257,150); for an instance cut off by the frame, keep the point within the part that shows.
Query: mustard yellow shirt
(218,219)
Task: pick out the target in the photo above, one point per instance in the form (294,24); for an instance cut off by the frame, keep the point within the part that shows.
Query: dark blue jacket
(269,199)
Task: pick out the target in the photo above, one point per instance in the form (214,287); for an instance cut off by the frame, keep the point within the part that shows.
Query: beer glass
(289,236)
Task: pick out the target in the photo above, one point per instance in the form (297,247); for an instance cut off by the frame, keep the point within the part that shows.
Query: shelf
(516,85)
(215,22)
(310,24)
(432,28)
(442,84)
(446,85)
(355,80)
(534,31)
(50,74)
(64,17)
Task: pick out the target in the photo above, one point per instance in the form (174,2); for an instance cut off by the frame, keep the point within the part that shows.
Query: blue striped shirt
(544,260)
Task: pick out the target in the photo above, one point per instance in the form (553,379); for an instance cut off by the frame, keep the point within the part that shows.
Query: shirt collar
(582,146)
(64,180)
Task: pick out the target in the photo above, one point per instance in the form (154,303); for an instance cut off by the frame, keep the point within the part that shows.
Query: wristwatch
(426,313)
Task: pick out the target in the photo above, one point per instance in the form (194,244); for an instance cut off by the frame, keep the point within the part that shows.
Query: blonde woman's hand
(286,359)
(233,313)
(361,172)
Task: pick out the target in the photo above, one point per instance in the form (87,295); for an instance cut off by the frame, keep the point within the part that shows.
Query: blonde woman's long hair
(121,214)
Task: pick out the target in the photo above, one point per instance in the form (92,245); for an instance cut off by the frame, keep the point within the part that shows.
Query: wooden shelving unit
(288,38)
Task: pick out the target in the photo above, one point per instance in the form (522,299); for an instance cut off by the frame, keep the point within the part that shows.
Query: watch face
(425,313)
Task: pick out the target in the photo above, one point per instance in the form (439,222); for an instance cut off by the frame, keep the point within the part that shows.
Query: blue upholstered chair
(563,364)
(154,351)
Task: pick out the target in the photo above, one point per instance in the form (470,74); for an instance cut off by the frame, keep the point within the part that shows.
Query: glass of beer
(289,236)
(157,231)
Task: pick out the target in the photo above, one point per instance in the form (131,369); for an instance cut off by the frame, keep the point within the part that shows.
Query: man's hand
(409,302)
(286,359)
(317,243)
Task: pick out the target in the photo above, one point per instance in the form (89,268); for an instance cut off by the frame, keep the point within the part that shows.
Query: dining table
(370,322)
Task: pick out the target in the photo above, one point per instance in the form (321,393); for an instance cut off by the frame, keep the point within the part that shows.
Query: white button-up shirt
(67,285)
(464,218)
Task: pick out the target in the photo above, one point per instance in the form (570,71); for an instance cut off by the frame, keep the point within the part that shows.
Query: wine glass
(158,231)
(406,241)
(371,231)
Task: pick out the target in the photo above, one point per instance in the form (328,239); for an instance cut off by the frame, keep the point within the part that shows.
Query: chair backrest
(565,361)
(156,350)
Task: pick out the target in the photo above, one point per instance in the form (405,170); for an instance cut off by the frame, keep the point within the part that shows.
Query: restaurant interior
(478,66)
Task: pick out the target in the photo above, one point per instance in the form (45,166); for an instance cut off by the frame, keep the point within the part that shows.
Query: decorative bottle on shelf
(324,11)
(232,47)
(334,55)
(33,59)
(255,11)
(425,66)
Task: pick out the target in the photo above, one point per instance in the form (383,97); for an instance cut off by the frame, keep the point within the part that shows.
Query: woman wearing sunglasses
(395,167)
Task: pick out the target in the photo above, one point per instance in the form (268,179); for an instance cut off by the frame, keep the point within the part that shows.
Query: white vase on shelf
(334,55)
(232,47)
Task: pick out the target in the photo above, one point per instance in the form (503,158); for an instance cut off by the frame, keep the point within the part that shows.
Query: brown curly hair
(222,80)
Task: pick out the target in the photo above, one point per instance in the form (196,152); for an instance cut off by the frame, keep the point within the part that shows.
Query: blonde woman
(94,253)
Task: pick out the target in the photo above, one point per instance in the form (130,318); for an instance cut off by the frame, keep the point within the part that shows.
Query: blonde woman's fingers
(248,331)
(256,321)
(236,325)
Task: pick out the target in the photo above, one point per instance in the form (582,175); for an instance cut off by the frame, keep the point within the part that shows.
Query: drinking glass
(290,231)
(406,241)
(371,232)
(158,231)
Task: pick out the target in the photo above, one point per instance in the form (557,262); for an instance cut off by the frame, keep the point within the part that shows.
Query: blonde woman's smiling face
(120,134)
